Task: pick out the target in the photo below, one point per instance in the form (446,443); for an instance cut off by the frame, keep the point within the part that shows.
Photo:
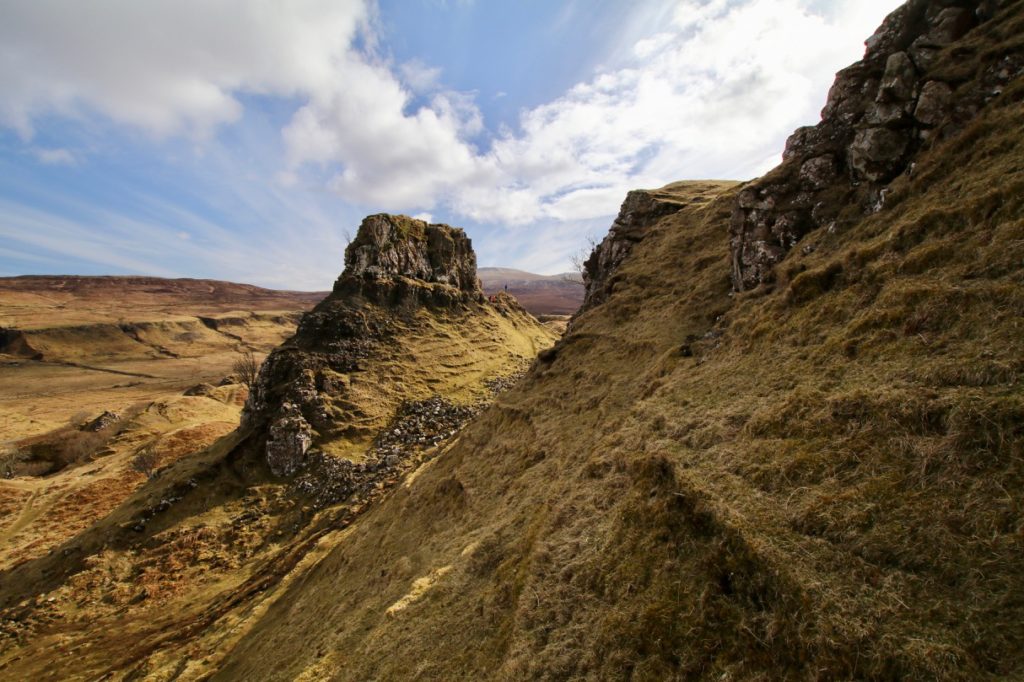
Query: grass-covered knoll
(820,480)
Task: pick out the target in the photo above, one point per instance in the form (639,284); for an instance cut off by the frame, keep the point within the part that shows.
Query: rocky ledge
(920,81)
(639,212)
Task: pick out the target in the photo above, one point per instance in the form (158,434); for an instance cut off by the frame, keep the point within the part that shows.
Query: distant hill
(71,343)
(558,294)
(33,301)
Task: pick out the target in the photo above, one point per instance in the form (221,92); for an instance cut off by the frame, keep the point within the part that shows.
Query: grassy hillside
(817,480)
(106,571)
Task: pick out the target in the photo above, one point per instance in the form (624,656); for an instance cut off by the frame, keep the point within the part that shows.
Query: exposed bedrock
(880,113)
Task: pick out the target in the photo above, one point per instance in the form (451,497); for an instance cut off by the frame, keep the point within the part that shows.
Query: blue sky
(246,139)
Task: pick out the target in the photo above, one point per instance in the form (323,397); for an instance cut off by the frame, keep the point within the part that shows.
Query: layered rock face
(389,246)
(880,113)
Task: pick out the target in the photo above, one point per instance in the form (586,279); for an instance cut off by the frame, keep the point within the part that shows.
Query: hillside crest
(907,93)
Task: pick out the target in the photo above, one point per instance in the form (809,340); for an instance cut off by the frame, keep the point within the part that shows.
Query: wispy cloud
(54,157)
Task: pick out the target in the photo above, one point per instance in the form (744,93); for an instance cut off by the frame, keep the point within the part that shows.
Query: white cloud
(54,157)
(170,67)
(419,76)
(712,92)
(711,95)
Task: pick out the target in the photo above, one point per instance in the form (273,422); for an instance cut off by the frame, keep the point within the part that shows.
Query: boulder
(950,24)
(898,80)
(876,153)
(933,104)
(819,172)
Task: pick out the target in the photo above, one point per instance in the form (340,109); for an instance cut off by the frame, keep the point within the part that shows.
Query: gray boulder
(877,153)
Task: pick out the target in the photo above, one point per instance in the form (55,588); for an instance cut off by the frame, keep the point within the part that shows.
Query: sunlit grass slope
(821,480)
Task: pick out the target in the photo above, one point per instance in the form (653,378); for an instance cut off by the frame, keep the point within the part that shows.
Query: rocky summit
(390,247)
(915,87)
(401,274)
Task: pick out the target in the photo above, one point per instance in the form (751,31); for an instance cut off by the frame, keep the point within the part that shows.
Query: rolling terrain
(817,477)
(783,438)
(88,344)
(177,536)
(92,376)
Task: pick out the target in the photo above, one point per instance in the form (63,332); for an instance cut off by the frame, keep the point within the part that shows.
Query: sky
(245,140)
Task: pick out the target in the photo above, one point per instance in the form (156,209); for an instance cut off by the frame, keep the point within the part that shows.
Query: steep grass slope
(163,581)
(817,480)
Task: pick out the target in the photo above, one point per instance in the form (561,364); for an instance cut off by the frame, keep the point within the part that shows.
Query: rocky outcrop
(401,276)
(389,246)
(916,84)
(639,212)
(103,421)
(288,441)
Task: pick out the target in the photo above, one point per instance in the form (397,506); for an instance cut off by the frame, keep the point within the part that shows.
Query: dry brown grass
(189,556)
(825,485)
(817,481)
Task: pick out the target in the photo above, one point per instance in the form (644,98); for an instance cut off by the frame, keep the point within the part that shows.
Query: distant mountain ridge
(559,294)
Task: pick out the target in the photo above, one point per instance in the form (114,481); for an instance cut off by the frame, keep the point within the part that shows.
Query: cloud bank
(712,94)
